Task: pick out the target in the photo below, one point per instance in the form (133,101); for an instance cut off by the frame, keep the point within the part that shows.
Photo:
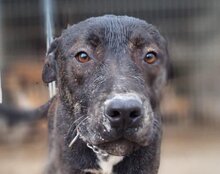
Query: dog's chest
(106,164)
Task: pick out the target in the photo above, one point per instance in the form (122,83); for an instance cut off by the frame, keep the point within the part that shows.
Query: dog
(105,118)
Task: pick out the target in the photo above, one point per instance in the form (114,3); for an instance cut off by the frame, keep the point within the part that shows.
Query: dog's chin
(121,147)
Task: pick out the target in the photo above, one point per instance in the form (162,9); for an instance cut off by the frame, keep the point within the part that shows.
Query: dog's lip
(115,141)
(119,147)
(104,141)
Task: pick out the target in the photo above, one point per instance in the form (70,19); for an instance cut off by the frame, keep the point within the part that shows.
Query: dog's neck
(106,164)
(105,161)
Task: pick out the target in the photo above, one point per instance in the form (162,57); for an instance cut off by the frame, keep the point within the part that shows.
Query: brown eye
(150,57)
(82,57)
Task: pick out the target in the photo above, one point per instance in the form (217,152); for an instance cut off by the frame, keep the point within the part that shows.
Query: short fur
(116,46)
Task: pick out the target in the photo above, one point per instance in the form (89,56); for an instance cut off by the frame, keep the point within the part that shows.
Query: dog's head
(110,71)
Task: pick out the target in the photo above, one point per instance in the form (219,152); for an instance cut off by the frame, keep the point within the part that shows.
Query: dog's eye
(150,57)
(82,57)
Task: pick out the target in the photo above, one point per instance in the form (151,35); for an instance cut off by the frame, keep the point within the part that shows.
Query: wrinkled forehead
(112,31)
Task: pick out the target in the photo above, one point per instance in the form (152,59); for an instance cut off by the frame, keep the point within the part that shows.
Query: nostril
(134,114)
(114,114)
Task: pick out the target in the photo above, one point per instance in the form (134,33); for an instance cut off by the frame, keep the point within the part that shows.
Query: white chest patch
(107,164)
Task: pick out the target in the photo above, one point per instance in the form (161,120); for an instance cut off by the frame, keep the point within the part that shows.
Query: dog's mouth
(119,147)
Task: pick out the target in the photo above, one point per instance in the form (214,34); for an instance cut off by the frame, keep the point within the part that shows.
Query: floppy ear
(49,69)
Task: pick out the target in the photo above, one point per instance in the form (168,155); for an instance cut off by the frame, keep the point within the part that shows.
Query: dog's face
(110,71)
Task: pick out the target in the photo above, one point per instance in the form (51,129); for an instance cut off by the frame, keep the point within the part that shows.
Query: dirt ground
(190,150)
(185,150)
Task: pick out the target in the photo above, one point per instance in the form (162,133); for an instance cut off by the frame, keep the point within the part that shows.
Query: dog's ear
(49,69)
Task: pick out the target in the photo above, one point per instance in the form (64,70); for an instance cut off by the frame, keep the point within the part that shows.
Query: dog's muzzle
(121,130)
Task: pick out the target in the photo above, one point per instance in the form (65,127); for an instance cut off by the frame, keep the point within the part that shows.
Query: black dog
(105,118)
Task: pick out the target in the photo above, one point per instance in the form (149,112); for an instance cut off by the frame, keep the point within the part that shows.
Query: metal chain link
(97,150)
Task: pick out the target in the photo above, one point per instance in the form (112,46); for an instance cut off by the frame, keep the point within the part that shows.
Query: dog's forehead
(115,30)
(108,23)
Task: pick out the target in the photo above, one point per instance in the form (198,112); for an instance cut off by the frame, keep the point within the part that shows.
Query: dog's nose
(124,112)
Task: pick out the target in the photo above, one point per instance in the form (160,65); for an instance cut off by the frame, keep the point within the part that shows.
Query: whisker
(74,139)
(81,122)
(72,125)
(77,133)
(78,119)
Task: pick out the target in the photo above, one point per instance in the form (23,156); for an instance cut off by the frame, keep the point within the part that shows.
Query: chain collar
(97,150)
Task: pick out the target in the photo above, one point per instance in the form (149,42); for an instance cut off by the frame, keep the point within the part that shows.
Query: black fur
(116,46)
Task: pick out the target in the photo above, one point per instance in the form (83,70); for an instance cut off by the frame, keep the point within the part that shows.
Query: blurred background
(190,107)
